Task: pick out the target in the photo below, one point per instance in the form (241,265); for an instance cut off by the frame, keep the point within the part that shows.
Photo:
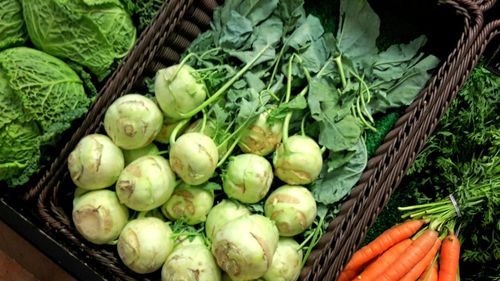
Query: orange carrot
(383,242)
(417,251)
(434,273)
(420,267)
(384,261)
(449,257)
(347,275)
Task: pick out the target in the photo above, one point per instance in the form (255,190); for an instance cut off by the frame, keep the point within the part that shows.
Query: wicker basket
(176,25)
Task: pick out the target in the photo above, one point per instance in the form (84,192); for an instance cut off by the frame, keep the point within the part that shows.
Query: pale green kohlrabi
(244,247)
(92,33)
(133,121)
(247,178)
(211,130)
(179,90)
(190,204)
(98,216)
(262,137)
(96,162)
(167,129)
(286,263)
(190,261)
(293,208)
(222,213)
(298,160)
(133,154)
(146,184)
(12,28)
(144,244)
(194,158)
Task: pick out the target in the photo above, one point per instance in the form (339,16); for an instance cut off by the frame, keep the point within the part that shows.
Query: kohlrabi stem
(285,126)
(237,131)
(176,130)
(324,67)
(204,121)
(289,79)
(229,151)
(275,68)
(314,241)
(302,125)
(226,86)
(362,96)
(338,61)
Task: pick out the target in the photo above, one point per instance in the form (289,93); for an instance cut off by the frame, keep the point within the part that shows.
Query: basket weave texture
(162,43)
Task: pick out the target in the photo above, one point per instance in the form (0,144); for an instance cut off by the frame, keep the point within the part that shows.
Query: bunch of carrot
(406,252)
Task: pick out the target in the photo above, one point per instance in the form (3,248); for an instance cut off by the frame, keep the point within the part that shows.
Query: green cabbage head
(39,98)
(92,33)
(12,29)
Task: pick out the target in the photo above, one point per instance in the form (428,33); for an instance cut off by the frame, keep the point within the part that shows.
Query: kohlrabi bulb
(144,244)
(298,160)
(194,157)
(95,163)
(146,184)
(292,208)
(190,262)
(179,91)
(262,137)
(210,130)
(133,154)
(244,247)
(247,178)
(286,263)
(222,213)
(188,203)
(133,121)
(98,216)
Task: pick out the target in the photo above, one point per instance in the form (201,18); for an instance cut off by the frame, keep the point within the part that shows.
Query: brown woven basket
(177,24)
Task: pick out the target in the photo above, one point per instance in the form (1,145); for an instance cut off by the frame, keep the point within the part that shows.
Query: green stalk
(286,123)
(229,151)
(338,61)
(226,86)
(204,121)
(176,130)
(317,232)
(409,208)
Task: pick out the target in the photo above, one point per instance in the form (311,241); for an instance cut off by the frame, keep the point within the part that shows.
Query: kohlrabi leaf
(358,30)
(235,32)
(310,31)
(339,135)
(257,10)
(335,183)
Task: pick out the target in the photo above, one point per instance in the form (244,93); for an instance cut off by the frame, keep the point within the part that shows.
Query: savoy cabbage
(12,29)
(39,98)
(92,33)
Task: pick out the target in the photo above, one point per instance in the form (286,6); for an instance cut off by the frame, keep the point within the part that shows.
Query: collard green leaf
(12,28)
(358,30)
(333,185)
(93,36)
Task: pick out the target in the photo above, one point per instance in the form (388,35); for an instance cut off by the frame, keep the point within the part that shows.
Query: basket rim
(378,164)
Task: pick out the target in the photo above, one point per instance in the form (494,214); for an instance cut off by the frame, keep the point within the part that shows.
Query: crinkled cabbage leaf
(12,28)
(39,98)
(92,33)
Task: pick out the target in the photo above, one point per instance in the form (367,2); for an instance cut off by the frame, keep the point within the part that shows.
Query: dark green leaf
(235,32)
(334,185)
(310,31)
(339,135)
(359,29)
(257,10)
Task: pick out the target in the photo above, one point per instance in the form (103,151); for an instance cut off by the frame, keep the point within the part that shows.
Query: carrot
(384,241)
(347,275)
(384,261)
(420,267)
(417,251)
(434,273)
(449,257)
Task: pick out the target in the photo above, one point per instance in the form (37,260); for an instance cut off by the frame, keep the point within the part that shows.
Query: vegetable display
(12,27)
(262,126)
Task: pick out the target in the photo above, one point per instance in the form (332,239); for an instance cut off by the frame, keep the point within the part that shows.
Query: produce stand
(39,211)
